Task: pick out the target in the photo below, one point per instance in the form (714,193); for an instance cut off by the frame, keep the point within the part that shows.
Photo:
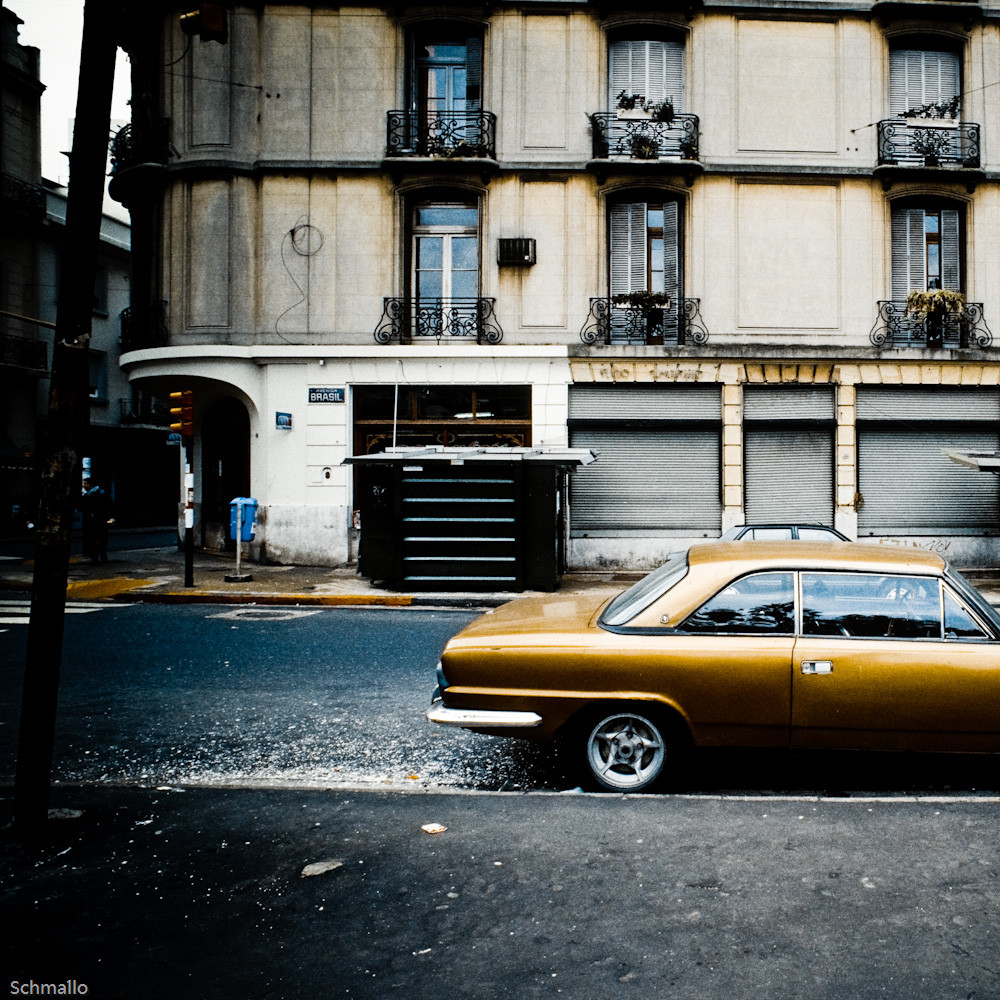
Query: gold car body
(542,663)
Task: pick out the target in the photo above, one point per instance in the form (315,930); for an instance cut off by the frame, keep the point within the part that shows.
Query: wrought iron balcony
(679,323)
(21,199)
(441,133)
(895,327)
(644,138)
(405,320)
(936,144)
(138,332)
(130,147)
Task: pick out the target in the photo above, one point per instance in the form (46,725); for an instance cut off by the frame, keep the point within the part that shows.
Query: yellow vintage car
(738,644)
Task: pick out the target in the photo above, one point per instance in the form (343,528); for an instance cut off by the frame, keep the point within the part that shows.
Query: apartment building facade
(700,239)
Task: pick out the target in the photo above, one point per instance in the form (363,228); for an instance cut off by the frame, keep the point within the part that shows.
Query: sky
(55,27)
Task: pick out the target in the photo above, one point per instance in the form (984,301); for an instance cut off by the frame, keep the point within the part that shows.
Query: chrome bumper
(471,718)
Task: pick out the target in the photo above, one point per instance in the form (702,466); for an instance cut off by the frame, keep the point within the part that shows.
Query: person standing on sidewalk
(96,510)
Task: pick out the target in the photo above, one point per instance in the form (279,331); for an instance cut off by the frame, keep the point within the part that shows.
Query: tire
(625,751)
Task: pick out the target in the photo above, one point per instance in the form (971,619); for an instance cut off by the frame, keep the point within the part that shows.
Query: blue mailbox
(242,518)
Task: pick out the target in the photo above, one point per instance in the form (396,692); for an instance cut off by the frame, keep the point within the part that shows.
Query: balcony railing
(21,199)
(895,327)
(441,133)
(405,320)
(644,138)
(139,332)
(144,411)
(933,145)
(679,323)
(129,147)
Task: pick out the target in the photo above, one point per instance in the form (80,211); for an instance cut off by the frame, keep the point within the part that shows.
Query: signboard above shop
(321,395)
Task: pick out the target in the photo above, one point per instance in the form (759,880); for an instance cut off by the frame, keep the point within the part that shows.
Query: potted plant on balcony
(931,144)
(632,106)
(643,146)
(649,306)
(662,112)
(931,308)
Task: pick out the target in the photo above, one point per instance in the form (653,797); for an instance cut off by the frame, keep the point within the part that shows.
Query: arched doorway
(225,467)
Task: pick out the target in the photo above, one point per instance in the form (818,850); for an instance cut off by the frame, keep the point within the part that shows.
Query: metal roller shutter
(647,480)
(904,404)
(911,488)
(608,401)
(813,402)
(789,474)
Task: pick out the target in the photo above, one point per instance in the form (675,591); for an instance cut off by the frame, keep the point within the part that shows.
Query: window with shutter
(644,251)
(918,77)
(652,68)
(926,249)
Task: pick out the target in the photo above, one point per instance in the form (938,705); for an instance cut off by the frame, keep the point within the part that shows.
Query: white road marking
(18,612)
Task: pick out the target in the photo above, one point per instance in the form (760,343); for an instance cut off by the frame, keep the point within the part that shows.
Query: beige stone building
(684,236)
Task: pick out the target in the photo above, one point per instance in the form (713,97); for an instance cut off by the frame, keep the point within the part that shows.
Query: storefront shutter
(648,480)
(911,488)
(789,474)
(658,466)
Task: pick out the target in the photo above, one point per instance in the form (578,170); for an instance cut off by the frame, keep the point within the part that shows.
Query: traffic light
(208,22)
(185,426)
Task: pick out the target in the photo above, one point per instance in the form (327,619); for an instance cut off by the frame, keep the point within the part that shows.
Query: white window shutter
(918,77)
(951,276)
(909,266)
(651,68)
(628,247)
(671,252)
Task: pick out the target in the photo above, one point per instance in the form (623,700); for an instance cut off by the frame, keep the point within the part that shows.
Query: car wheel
(626,751)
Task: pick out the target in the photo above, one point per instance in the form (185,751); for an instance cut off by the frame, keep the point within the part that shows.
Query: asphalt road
(335,697)
(241,834)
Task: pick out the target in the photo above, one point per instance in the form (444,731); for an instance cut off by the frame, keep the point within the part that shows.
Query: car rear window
(640,595)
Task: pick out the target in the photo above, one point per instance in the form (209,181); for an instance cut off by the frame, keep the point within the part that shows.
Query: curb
(316,600)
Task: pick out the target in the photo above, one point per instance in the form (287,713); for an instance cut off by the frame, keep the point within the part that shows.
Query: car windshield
(639,596)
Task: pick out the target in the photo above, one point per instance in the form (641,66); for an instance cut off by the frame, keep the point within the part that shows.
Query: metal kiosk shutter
(788,454)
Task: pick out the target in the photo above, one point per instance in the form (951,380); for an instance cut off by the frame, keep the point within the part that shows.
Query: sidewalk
(157,575)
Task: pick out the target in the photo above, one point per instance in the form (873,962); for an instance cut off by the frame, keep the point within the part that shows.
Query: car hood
(534,617)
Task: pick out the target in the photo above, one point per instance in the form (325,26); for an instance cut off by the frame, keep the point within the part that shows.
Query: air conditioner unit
(518,252)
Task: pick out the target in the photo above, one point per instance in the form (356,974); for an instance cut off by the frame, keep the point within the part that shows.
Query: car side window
(769,535)
(816,535)
(872,605)
(958,621)
(759,604)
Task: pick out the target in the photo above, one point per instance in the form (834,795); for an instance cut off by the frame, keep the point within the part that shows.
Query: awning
(981,461)
(458,456)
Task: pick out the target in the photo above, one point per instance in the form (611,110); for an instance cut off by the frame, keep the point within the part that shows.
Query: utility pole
(68,418)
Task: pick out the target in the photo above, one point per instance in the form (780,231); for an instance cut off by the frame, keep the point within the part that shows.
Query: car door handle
(817,666)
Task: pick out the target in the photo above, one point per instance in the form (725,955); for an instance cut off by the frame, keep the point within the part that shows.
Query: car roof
(816,555)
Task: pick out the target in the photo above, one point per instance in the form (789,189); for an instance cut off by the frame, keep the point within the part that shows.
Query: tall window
(926,248)
(919,78)
(445,250)
(644,248)
(445,84)
(651,68)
